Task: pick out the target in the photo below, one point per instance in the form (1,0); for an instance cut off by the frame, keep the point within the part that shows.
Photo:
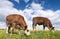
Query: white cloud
(5,4)
(36,6)
(3,0)
(2,25)
(26,1)
(17,1)
(27,12)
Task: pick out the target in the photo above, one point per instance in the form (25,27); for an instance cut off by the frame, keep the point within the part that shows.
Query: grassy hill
(34,35)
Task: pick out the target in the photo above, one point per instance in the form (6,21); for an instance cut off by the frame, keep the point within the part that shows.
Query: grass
(34,35)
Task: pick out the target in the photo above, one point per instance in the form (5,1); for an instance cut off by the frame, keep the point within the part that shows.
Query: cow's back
(15,18)
(40,19)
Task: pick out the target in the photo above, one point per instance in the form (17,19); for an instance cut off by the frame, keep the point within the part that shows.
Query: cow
(42,21)
(16,21)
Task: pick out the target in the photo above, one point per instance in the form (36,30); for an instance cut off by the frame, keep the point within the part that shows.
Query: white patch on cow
(7,30)
(27,33)
(11,28)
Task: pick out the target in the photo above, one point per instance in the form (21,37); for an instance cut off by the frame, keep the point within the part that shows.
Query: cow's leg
(43,27)
(8,29)
(19,28)
(19,31)
(34,26)
(12,28)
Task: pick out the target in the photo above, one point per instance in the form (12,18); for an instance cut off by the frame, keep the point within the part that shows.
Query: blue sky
(29,9)
(46,4)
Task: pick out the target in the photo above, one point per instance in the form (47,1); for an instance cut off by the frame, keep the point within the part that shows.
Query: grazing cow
(42,21)
(15,21)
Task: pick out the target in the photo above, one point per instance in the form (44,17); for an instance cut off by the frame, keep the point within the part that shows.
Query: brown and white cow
(42,21)
(15,21)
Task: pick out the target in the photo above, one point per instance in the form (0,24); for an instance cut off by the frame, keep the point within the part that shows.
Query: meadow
(34,35)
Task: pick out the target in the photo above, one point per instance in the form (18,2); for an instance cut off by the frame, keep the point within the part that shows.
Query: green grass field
(34,35)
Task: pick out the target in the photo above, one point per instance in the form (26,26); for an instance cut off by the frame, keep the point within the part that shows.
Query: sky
(29,9)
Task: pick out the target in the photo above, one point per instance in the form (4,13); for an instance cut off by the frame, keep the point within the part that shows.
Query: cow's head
(52,28)
(27,32)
